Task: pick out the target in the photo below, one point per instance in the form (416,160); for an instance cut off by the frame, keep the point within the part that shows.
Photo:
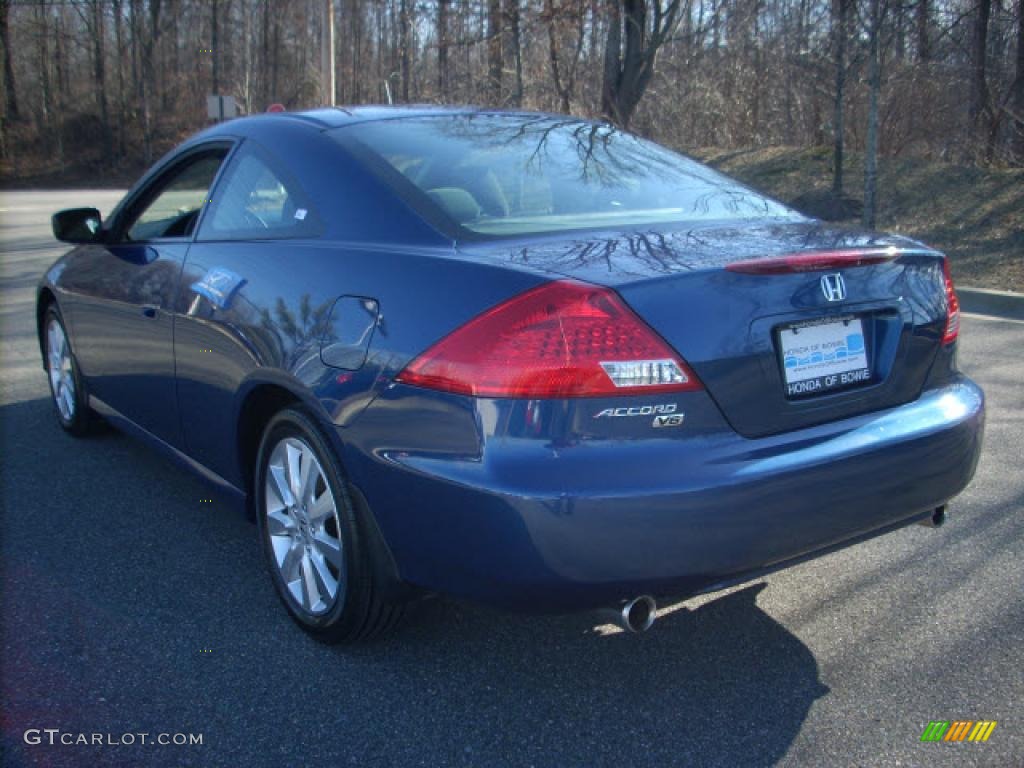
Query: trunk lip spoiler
(820,260)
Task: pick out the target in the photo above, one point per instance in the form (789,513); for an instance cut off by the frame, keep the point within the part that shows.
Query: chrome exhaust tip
(937,518)
(636,615)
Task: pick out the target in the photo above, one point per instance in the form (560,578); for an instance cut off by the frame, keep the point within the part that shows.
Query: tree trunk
(840,28)
(612,62)
(119,45)
(173,70)
(225,52)
(405,49)
(44,69)
(556,75)
(494,61)
(871,148)
(10,92)
(100,72)
(442,48)
(60,65)
(978,101)
(265,58)
(924,45)
(514,42)
(214,45)
(275,57)
(149,44)
(631,50)
(134,28)
(1018,99)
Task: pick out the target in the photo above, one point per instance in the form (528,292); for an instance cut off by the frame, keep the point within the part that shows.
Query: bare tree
(1018,86)
(43,49)
(122,107)
(924,45)
(729,73)
(10,92)
(442,48)
(841,34)
(631,49)
(150,40)
(98,30)
(978,103)
(494,57)
(874,25)
(563,74)
(214,46)
(404,48)
(513,41)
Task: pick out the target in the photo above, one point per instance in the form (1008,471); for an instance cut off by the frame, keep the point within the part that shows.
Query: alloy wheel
(59,368)
(303,527)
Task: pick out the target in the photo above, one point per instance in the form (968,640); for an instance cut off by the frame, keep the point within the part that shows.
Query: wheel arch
(265,396)
(258,402)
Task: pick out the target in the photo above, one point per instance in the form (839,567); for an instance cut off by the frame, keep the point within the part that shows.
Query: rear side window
(257,200)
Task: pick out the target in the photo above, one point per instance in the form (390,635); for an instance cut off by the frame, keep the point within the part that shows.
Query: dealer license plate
(822,355)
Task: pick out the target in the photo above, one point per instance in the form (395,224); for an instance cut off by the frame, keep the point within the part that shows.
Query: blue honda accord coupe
(520,358)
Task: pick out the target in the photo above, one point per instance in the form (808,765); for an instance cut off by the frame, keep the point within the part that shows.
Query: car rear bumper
(527,525)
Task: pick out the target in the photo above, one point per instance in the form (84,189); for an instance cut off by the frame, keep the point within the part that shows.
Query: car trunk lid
(787,325)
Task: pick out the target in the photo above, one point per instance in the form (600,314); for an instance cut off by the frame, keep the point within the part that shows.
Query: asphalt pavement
(131,606)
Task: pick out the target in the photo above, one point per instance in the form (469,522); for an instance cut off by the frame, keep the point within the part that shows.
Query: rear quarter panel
(272,328)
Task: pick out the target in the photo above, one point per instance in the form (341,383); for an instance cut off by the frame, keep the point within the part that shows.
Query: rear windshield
(504,175)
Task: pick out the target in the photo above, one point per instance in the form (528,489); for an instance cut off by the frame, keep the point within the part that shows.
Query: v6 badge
(673,420)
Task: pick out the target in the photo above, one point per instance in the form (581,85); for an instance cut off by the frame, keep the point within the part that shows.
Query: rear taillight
(813,261)
(561,339)
(952,306)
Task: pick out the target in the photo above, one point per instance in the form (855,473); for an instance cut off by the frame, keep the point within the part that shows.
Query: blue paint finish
(349,332)
(574,522)
(539,504)
(120,297)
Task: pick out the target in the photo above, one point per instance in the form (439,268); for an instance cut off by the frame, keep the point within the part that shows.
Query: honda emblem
(833,287)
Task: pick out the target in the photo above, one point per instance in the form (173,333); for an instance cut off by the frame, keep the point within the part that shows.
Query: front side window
(174,207)
(523,174)
(256,201)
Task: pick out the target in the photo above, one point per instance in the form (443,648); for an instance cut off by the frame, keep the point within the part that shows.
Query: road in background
(129,606)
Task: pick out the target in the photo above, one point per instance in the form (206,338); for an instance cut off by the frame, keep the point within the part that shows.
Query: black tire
(357,613)
(82,420)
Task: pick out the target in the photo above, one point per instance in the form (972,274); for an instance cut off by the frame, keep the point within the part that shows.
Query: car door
(244,301)
(123,313)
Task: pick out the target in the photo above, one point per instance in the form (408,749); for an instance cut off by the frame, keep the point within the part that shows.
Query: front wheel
(66,385)
(310,532)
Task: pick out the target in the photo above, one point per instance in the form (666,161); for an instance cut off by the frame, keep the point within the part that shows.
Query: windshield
(530,174)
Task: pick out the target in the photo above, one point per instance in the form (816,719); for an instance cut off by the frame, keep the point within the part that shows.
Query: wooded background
(99,86)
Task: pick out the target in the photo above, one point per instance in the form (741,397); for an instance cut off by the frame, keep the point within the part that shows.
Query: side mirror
(77,225)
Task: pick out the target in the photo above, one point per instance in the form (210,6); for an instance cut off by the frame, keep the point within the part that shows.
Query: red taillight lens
(561,339)
(813,261)
(952,306)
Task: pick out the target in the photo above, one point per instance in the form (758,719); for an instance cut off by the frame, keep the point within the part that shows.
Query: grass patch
(975,215)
